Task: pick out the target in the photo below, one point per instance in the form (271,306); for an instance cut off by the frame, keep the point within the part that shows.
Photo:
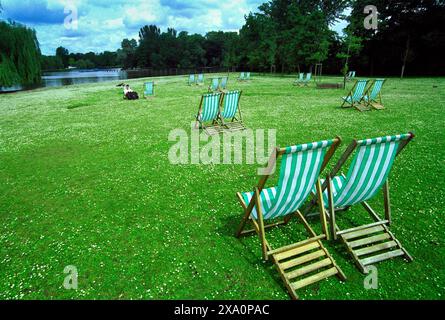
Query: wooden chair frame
(260,228)
(336,232)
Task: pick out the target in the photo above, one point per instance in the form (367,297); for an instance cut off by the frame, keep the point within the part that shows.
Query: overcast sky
(103,24)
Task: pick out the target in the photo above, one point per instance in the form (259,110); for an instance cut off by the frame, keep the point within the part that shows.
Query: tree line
(293,36)
(282,36)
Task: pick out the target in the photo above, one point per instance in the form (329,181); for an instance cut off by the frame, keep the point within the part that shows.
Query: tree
(410,36)
(351,45)
(19,55)
(63,54)
(128,53)
(291,32)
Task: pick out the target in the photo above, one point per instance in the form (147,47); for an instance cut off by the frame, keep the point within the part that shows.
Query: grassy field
(86,181)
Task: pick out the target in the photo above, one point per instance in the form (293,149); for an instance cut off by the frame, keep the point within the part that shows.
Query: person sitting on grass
(129,93)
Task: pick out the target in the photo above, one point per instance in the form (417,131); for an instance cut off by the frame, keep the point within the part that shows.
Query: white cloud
(103,24)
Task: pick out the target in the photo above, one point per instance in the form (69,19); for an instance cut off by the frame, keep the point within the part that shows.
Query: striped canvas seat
(230,105)
(300,168)
(300,80)
(231,111)
(242,76)
(210,107)
(224,81)
(214,84)
(200,78)
(149,88)
(373,96)
(355,96)
(247,75)
(369,171)
(377,87)
(358,92)
(191,79)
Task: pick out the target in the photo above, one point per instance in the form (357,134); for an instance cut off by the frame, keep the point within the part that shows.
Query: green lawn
(86,181)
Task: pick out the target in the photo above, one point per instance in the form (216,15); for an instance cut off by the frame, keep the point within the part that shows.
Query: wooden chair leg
(387,202)
(331,209)
(322,210)
(261,224)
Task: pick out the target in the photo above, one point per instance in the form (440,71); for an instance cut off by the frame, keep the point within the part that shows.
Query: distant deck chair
(308,79)
(355,96)
(192,79)
(373,96)
(200,81)
(350,76)
(242,76)
(214,85)
(299,171)
(299,80)
(209,111)
(223,83)
(247,76)
(231,111)
(368,173)
(149,89)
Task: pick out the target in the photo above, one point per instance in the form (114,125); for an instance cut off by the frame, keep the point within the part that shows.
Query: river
(65,78)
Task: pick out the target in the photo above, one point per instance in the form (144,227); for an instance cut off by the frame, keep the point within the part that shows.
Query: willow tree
(19,55)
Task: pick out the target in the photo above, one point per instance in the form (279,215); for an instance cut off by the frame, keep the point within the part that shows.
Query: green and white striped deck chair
(300,80)
(242,76)
(209,111)
(200,80)
(149,89)
(355,96)
(247,76)
(373,96)
(367,175)
(350,76)
(192,79)
(224,81)
(232,112)
(308,79)
(214,85)
(299,172)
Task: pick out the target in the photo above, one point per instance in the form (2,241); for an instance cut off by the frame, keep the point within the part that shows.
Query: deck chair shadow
(355,96)
(232,112)
(149,89)
(209,114)
(306,262)
(368,173)
(373,96)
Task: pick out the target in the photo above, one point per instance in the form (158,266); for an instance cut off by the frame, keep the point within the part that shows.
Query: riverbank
(86,181)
